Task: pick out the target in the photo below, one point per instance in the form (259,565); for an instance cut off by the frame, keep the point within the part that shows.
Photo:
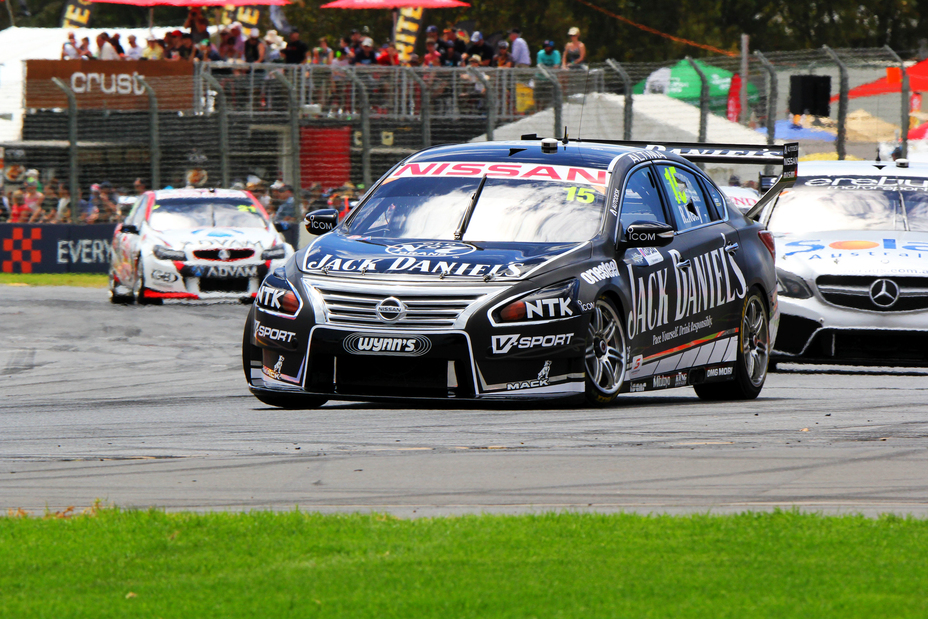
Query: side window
(686,198)
(642,200)
(137,216)
(716,200)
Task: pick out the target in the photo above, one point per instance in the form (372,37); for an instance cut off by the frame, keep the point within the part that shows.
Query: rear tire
(250,352)
(606,354)
(119,299)
(753,355)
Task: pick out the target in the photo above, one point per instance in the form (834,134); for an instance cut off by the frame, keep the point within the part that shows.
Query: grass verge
(84,280)
(115,563)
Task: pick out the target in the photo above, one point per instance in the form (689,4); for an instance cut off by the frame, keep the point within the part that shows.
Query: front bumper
(202,279)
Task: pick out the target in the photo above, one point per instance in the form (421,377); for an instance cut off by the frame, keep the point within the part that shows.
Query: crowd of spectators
(50,203)
(450,47)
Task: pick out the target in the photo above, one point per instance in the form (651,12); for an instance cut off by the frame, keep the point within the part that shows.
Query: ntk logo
(270,297)
(548,308)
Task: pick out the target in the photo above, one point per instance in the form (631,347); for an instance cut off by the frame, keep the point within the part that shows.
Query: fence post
(294,109)
(154,137)
(491,101)
(365,127)
(73,184)
(558,100)
(627,115)
(220,105)
(426,107)
(840,143)
(771,97)
(703,100)
(904,133)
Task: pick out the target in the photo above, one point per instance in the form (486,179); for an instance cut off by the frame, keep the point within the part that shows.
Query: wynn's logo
(372,344)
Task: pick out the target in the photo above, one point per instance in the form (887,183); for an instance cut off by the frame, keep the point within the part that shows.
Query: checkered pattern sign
(20,250)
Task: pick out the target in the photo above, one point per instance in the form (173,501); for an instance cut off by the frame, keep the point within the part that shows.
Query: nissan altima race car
(852,263)
(194,244)
(526,269)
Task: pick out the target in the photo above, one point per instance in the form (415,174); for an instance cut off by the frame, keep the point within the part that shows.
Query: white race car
(194,244)
(852,263)
(742,198)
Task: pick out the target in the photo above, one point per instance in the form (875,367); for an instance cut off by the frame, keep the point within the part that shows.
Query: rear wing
(784,155)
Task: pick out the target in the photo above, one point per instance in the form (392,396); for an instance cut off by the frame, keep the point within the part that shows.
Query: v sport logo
(502,344)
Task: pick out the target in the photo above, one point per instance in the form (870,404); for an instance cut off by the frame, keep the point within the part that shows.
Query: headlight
(790,285)
(163,253)
(551,303)
(275,295)
(274,253)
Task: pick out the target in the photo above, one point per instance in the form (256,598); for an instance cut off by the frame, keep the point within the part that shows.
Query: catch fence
(330,131)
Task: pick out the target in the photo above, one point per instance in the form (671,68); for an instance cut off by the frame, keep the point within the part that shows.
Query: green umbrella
(681,82)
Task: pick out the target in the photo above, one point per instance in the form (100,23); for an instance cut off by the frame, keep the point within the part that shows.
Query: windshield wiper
(465,220)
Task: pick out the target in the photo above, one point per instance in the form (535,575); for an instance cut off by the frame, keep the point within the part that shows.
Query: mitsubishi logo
(391,309)
(884,293)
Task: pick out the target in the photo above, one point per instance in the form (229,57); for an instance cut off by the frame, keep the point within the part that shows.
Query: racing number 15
(580,194)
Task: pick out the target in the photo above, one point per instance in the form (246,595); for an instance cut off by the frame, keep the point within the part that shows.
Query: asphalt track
(146,406)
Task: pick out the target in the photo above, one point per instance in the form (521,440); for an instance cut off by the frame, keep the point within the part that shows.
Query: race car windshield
(812,209)
(190,213)
(508,210)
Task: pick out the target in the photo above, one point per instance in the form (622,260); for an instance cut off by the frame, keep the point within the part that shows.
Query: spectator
(478,47)
(366,56)
(105,49)
(227,48)
(154,51)
(574,51)
(138,187)
(117,45)
(84,49)
(413,61)
(388,56)
(462,42)
(344,53)
(354,41)
(323,54)
(502,59)
(519,50)
(433,57)
(431,34)
(87,211)
(171,43)
(548,56)
(255,50)
(19,212)
(69,51)
(473,97)
(135,50)
(239,41)
(33,199)
(273,44)
(452,42)
(207,52)
(197,24)
(185,51)
(63,208)
(4,208)
(287,210)
(296,50)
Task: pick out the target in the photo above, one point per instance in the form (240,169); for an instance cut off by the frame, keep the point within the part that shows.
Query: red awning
(394,4)
(196,2)
(918,82)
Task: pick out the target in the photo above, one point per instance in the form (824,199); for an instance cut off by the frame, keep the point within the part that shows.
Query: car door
(125,243)
(708,281)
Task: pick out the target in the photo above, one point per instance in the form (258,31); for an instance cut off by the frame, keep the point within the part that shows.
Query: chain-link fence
(330,131)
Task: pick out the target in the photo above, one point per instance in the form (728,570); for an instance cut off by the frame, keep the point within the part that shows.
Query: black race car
(530,269)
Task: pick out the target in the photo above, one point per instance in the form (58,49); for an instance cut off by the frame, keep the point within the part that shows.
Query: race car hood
(336,253)
(213,237)
(852,252)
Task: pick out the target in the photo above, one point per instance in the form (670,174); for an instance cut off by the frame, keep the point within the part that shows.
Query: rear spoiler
(784,155)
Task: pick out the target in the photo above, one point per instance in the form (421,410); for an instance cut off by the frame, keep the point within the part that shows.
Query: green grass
(84,280)
(150,564)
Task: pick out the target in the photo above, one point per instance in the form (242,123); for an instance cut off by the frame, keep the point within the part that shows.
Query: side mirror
(129,229)
(648,234)
(321,221)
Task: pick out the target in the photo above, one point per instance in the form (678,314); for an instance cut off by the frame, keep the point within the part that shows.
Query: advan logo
(373,344)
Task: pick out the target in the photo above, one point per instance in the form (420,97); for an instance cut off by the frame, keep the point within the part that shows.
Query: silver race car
(852,263)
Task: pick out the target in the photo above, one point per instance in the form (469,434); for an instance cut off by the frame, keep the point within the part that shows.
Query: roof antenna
(878,153)
(564,140)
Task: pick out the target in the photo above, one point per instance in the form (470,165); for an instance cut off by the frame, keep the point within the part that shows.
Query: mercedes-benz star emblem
(884,293)
(391,309)
(224,254)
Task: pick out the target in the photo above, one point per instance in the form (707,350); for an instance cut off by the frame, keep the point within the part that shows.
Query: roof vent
(902,163)
(549,145)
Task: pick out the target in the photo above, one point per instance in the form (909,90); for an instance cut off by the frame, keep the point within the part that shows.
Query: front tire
(138,288)
(119,299)
(606,354)
(753,355)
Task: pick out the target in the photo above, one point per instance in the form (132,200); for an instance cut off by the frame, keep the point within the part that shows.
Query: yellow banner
(407,29)
(76,14)
(248,16)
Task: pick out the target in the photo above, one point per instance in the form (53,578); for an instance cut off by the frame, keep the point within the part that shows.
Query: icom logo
(884,293)
(437,249)
(391,309)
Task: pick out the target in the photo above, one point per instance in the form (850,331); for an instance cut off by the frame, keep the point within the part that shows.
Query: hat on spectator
(95,187)
(277,184)
(462,36)
(106,185)
(204,42)
(515,31)
(476,36)
(548,43)
(475,58)
(573,31)
(503,45)
(238,185)
(431,29)
(448,31)
(254,33)
(273,38)
(176,33)
(236,24)
(367,42)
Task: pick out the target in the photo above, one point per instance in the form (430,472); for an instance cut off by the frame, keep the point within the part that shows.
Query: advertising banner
(76,14)
(249,16)
(30,248)
(102,84)
(408,25)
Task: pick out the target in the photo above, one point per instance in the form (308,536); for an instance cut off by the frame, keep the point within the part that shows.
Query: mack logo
(275,335)
(270,297)
(373,344)
(548,308)
(541,381)
(391,309)
(438,249)
(600,272)
(501,344)
(230,271)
